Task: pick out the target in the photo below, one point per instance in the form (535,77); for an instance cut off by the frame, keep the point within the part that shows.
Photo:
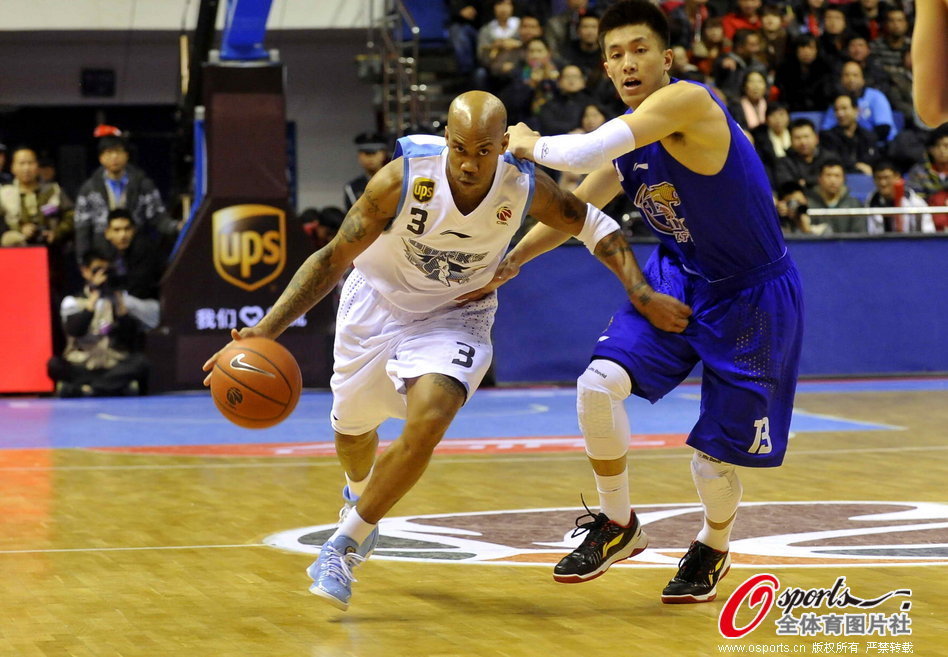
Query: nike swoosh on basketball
(237,363)
(640,165)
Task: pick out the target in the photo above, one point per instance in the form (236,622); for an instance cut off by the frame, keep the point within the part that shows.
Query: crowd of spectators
(823,88)
(106,253)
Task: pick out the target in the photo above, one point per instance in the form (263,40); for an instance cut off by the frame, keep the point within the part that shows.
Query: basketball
(256,383)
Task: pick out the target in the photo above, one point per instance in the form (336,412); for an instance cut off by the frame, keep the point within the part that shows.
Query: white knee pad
(718,486)
(600,393)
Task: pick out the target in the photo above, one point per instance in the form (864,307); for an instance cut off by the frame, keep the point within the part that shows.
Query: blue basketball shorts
(745,331)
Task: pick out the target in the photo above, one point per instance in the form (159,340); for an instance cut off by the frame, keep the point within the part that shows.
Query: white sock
(354,527)
(614,497)
(356,488)
(720,491)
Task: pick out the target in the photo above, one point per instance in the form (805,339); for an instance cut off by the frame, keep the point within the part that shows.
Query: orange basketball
(256,383)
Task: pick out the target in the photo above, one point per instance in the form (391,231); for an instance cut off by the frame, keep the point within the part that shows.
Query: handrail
(886,211)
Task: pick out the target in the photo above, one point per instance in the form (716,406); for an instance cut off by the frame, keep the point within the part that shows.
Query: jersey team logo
(659,204)
(249,244)
(769,534)
(504,214)
(446,267)
(423,190)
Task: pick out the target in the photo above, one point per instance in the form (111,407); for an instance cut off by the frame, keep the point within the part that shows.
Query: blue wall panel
(874,306)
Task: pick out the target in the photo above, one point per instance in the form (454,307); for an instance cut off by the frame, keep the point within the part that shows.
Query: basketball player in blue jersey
(432,225)
(702,189)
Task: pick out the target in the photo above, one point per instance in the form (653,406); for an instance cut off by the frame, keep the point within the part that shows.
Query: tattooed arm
(563,211)
(321,271)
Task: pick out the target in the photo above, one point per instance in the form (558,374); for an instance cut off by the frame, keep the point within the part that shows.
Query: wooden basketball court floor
(151,527)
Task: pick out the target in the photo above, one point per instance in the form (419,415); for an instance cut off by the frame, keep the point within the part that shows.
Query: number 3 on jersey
(762,437)
(418,219)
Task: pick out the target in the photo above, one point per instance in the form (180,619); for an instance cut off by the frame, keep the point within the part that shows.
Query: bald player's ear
(505,141)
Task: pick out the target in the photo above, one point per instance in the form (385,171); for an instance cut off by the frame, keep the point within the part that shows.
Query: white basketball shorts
(378,346)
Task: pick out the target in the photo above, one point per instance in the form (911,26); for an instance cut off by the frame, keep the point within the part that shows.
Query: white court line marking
(578,455)
(133,549)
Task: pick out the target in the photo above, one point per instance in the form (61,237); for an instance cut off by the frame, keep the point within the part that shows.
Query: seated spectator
(593,116)
(118,184)
(535,86)
(804,159)
(804,79)
(831,193)
(498,35)
(102,355)
(865,18)
(564,26)
(889,49)
(465,20)
(751,110)
(836,36)
(564,111)
(372,153)
(745,17)
(792,211)
(584,51)
(5,177)
(711,47)
(854,145)
(875,112)
(685,21)
(857,50)
(136,267)
(682,68)
(33,211)
(774,34)
(321,226)
(892,192)
(809,15)
(508,64)
(46,168)
(772,140)
(930,178)
(730,69)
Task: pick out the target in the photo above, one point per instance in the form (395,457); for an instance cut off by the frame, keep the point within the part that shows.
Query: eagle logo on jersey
(423,190)
(659,205)
(447,267)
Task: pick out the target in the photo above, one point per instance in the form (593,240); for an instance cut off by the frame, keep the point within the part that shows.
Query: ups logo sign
(423,190)
(249,244)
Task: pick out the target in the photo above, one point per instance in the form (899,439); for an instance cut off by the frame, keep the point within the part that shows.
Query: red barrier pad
(27,342)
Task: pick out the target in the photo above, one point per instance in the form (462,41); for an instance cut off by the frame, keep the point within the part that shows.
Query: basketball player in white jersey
(432,225)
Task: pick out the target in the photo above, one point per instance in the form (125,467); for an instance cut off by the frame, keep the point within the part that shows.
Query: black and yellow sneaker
(699,572)
(606,542)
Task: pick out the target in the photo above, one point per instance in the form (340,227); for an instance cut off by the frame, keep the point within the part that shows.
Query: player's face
(472,157)
(636,61)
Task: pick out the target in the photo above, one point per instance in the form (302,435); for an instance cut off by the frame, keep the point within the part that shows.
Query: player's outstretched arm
(321,271)
(930,61)
(672,109)
(563,211)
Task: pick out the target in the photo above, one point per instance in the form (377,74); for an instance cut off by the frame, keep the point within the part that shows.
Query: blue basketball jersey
(718,225)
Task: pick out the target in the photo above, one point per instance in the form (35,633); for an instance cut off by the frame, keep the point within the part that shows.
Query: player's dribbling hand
(522,140)
(661,310)
(235,335)
(505,271)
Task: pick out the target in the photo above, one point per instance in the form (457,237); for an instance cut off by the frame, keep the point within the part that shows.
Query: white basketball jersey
(431,253)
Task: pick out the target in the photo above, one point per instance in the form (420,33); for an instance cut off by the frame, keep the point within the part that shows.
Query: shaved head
(478,111)
(477,138)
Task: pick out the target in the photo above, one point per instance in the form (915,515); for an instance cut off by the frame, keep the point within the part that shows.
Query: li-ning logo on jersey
(423,190)
(504,214)
(659,204)
(444,266)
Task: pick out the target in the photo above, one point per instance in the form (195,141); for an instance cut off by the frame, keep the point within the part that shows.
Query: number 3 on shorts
(762,437)
(467,355)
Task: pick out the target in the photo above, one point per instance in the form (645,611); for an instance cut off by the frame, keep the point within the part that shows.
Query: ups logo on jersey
(249,244)
(423,190)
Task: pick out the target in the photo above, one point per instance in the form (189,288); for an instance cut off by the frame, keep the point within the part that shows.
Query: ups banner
(230,268)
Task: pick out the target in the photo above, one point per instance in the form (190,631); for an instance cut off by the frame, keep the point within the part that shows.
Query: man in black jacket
(118,184)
